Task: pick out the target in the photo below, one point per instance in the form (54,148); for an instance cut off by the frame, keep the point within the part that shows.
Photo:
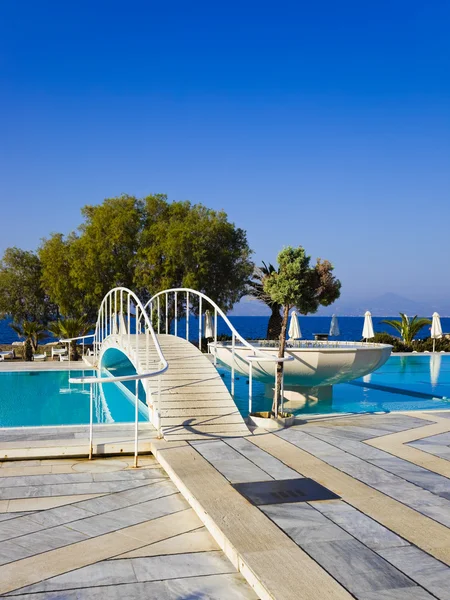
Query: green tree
(256,289)
(408,328)
(71,328)
(104,254)
(145,244)
(21,295)
(297,284)
(186,245)
(32,332)
(56,256)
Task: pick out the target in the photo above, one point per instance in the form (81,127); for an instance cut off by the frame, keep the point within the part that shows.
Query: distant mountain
(388,304)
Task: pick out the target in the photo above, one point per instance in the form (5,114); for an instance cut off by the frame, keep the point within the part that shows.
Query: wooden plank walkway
(195,402)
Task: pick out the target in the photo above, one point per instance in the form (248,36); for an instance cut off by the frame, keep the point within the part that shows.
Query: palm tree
(257,291)
(408,328)
(33,332)
(71,328)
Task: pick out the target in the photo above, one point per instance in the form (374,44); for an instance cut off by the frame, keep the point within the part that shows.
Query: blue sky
(325,124)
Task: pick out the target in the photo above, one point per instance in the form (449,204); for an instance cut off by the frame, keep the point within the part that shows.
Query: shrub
(397,343)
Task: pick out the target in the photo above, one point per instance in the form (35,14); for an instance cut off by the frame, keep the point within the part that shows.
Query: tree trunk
(73,350)
(275,323)
(280,365)
(28,350)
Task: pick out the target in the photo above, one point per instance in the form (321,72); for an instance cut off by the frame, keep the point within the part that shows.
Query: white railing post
(250,387)
(159,408)
(147,347)
(136,420)
(233,354)
(137,337)
(129,321)
(215,336)
(167,313)
(187,316)
(200,324)
(158,308)
(176,314)
(276,391)
(91,427)
(282,392)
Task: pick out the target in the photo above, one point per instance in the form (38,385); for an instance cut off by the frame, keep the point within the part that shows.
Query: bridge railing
(119,311)
(175,303)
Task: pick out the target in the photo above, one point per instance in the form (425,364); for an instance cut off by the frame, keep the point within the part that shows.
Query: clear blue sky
(325,124)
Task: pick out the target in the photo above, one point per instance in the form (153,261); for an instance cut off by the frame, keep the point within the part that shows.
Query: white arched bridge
(185,394)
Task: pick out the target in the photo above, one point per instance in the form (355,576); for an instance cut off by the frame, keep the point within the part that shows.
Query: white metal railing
(119,308)
(153,307)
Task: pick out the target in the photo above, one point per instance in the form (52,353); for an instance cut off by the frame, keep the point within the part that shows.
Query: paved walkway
(387,538)
(94,530)
(84,530)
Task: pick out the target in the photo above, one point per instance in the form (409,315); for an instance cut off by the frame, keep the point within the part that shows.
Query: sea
(254,328)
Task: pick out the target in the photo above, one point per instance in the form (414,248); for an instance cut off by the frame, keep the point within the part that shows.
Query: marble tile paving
(370,560)
(133,536)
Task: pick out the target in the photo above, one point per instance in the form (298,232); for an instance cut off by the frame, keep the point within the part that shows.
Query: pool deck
(74,529)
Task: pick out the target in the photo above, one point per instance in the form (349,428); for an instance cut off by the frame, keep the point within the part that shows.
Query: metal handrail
(235,334)
(115,304)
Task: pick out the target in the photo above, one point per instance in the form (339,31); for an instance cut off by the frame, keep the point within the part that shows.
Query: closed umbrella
(436,329)
(294,332)
(334,327)
(367,332)
(209,327)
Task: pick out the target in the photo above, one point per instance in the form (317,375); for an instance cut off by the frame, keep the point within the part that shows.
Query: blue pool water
(413,382)
(47,398)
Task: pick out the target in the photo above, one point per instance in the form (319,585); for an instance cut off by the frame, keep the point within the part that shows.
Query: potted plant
(294,284)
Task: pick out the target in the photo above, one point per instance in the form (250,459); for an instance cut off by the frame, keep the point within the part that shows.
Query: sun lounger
(63,357)
(39,357)
(59,352)
(7,354)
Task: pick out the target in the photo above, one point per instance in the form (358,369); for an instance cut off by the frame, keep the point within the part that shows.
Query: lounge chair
(7,354)
(59,352)
(39,357)
(63,357)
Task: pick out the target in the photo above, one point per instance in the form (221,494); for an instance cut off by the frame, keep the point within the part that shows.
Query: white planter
(266,422)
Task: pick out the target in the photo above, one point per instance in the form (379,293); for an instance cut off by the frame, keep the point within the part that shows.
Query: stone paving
(78,529)
(368,558)
(101,529)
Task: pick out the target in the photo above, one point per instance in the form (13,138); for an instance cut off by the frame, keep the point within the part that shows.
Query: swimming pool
(411,382)
(34,398)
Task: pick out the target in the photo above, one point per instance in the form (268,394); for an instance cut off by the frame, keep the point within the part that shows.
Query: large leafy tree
(297,284)
(146,244)
(78,270)
(56,255)
(189,245)
(22,296)
(408,328)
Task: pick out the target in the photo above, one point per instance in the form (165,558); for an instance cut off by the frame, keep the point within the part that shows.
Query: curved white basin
(315,363)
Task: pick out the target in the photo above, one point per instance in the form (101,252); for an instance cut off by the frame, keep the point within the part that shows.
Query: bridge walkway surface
(195,402)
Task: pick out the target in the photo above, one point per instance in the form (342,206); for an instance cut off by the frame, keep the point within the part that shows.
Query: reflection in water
(367,378)
(435,367)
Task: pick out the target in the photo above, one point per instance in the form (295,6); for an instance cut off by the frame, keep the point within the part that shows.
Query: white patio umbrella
(294,332)
(334,327)
(436,329)
(367,332)
(209,325)
(435,367)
